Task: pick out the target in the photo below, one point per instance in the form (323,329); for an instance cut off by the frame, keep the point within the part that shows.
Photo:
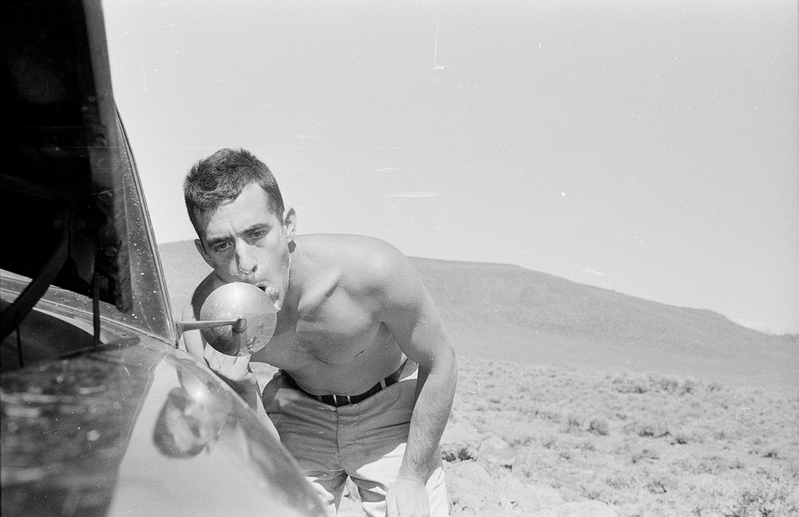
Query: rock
(545,495)
(459,442)
(578,509)
(494,451)
(473,490)
(522,497)
(471,471)
(470,488)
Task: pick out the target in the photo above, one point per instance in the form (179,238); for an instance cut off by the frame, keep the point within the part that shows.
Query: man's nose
(246,259)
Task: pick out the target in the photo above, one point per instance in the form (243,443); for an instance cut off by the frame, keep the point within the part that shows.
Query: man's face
(244,241)
(194,417)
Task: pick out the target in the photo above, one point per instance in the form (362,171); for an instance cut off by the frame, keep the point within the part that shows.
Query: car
(102,413)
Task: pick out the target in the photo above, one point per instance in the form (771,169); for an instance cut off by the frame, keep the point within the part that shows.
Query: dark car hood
(103,433)
(62,150)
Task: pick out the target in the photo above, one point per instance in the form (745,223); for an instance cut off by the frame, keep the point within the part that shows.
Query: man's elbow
(445,363)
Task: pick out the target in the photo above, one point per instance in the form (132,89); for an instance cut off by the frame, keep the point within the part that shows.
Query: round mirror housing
(253,319)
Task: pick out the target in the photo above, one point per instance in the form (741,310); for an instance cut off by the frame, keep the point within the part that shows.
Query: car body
(102,414)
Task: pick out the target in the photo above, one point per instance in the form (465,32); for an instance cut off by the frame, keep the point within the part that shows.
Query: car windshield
(150,312)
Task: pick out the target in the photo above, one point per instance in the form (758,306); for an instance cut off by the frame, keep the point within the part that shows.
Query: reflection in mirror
(191,419)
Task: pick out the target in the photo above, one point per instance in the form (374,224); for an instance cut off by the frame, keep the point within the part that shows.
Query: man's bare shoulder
(342,241)
(365,264)
(353,252)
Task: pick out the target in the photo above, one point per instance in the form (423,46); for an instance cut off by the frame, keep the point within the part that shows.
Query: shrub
(619,481)
(599,427)
(520,436)
(656,430)
(665,384)
(645,454)
(657,486)
(714,386)
(768,495)
(688,386)
(681,438)
(630,385)
(549,442)
(647,430)
(573,423)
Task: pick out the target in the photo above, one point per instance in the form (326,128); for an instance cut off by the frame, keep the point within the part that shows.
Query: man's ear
(201,250)
(290,224)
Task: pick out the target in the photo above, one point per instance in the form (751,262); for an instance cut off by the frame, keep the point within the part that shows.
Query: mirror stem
(238,324)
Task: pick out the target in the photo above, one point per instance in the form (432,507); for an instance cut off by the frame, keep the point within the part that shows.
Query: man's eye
(219,248)
(257,235)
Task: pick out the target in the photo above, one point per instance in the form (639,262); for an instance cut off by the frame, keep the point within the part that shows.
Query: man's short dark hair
(221,177)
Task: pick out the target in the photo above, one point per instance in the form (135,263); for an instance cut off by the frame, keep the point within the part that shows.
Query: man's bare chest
(336,332)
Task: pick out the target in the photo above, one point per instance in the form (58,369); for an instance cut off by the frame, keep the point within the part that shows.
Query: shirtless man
(366,371)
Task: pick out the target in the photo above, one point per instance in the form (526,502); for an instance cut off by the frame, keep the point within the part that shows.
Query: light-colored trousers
(365,441)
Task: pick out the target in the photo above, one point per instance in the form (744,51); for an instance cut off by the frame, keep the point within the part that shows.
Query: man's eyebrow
(257,226)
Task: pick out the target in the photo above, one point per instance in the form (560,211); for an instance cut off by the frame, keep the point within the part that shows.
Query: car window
(151,310)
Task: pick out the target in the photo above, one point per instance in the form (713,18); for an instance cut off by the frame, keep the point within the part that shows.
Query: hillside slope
(505,312)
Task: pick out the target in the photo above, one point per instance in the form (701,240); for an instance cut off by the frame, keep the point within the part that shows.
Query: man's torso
(328,337)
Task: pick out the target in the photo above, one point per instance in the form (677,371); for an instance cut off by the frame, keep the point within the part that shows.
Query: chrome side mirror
(236,319)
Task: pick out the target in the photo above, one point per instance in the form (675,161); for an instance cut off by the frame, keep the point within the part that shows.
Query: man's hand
(236,372)
(407,497)
(233,369)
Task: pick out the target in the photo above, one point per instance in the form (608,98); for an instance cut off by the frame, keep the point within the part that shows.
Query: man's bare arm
(412,318)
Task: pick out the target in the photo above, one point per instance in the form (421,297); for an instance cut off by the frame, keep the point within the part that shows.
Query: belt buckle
(341,400)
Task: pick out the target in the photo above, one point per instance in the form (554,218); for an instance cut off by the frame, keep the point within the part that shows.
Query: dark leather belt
(346,400)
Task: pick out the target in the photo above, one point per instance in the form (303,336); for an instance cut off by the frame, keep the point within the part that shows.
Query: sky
(648,147)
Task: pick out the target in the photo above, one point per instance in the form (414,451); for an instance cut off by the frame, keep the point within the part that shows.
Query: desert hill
(499,311)
(505,312)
